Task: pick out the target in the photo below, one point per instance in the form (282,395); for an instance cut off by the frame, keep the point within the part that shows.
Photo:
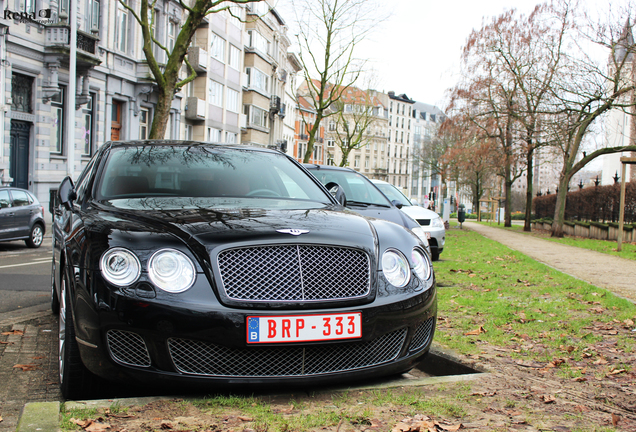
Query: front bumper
(159,340)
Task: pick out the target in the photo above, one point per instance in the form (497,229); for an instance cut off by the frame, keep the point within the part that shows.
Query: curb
(46,416)
(40,417)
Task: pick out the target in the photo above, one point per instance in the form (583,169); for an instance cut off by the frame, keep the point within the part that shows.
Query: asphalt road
(25,275)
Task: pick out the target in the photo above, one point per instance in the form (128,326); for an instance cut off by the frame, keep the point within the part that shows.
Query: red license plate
(303,328)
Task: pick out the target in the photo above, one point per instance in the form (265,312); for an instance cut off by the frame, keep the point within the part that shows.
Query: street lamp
(596,182)
(581,184)
(616,177)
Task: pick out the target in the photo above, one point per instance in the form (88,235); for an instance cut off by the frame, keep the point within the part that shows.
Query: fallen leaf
(6,343)
(547,399)
(581,408)
(615,419)
(97,427)
(449,428)
(484,394)
(13,332)
(401,427)
(166,425)
(579,379)
(37,358)
(26,367)
(616,371)
(245,419)
(529,364)
(476,332)
(0,418)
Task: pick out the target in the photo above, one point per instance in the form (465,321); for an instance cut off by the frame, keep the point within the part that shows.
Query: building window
(234,15)
(21,93)
(257,79)
(330,143)
(214,135)
(317,152)
(235,57)
(230,138)
(232,100)
(144,123)
(217,48)
(366,163)
(88,113)
(215,93)
(256,116)
(356,162)
(121,28)
(330,160)
(189,133)
(57,121)
(91,23)
(172,34)
(332,126)
(258,42)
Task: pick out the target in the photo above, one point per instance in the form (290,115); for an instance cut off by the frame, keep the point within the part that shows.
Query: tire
(75,380)
(35,236)
(434,255)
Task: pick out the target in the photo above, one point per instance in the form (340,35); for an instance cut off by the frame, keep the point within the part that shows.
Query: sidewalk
(613,273)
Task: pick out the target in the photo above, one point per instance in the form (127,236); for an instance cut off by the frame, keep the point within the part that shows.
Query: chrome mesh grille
(422,335)
(294,273)
(128,348)
(201,358)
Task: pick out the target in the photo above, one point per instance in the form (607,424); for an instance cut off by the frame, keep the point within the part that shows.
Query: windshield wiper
(365,204)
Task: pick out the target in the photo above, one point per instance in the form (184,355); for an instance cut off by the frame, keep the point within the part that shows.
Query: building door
(115,122)
(19,154)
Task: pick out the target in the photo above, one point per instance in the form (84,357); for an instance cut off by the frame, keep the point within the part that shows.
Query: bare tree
(586,93)
(356,113)
(167,76)
(329,32)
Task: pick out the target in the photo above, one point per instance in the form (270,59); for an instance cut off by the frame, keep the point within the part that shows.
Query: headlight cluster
(169,269)
(396,267)
(437,222)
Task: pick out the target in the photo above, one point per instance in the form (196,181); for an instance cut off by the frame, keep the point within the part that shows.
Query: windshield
(203,171)
(393,194)
(358,189)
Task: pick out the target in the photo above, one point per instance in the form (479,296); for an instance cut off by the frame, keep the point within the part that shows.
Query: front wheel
(35,237)
(75,379)
(434,255)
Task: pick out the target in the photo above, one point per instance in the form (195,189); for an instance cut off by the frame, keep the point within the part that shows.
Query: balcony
(198,58)
(195,108)
(303,137)
(56,41)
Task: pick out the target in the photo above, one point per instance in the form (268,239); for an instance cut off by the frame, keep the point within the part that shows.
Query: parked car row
(195,263)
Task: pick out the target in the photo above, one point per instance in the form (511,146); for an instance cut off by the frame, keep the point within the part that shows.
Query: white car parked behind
(430,221)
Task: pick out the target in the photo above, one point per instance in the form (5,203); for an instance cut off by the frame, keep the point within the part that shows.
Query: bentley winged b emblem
(292,231)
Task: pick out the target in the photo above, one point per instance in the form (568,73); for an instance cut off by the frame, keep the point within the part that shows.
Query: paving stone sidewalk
(613,273)
(28,365)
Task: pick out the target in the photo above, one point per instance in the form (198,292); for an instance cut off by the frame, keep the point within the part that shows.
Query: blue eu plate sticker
(252,329)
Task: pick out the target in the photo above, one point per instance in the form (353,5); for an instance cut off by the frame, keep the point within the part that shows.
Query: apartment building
(426,121)
(399,140)
(240,71)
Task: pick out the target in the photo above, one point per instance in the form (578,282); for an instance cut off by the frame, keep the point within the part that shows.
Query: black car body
(210,264)
(21,217)
(364,197)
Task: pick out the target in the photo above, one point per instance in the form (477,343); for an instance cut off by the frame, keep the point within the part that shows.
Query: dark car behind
(21,217)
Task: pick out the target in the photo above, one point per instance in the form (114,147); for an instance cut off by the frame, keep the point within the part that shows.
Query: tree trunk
(559,209)
(161,115)
(345,157)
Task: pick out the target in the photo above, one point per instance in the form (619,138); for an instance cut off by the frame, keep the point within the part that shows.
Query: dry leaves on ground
(91,425)
(476,332)
(13,332)
(26,367)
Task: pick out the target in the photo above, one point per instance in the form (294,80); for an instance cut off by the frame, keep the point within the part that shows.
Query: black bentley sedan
(211,264)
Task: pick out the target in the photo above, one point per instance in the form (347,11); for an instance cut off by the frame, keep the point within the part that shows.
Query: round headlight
(421,265)
(395,268)
(171,271)
(120,266)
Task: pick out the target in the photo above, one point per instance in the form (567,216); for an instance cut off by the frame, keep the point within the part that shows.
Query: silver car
(431,223)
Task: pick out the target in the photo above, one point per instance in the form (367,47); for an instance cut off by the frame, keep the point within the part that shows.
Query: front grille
(422,335)
(424,222)
(294,273)
(201,358)
(128,348)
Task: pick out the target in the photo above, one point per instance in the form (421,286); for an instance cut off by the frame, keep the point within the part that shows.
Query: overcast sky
(417,49)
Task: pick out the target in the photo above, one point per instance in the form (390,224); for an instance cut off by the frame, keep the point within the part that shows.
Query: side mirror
(66,193)
(397,203)
(337,192)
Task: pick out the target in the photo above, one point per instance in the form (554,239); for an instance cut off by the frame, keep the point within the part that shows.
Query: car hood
(419,212)
(206,228)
